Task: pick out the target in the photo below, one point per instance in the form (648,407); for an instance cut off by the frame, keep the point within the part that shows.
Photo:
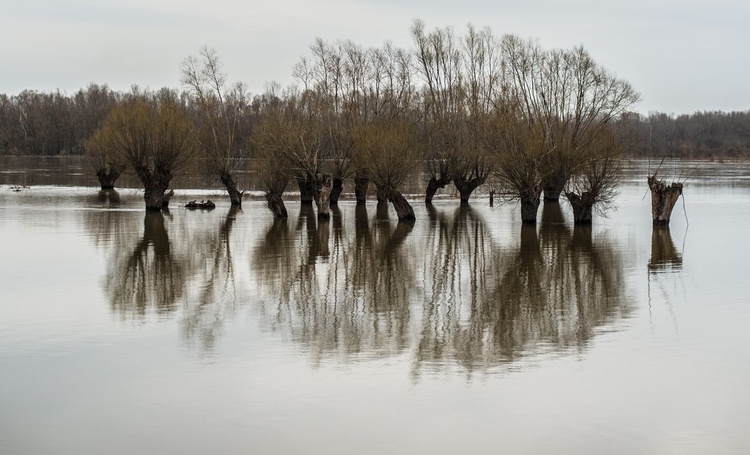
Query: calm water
(227,332)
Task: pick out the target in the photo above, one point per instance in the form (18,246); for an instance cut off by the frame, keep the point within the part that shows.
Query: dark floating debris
(205,205)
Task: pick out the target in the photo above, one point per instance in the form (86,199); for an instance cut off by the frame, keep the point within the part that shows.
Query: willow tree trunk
(552,214)
(155,185)
(432,186)
(276,203)
(108,176)
(306,190)
(529,208)
(381,195)
(323,186)
(404,211)
(663,199)
(360,188)
(235,195)
(466,187)
(381,210)
(582,207)
(336,190)
(553,186)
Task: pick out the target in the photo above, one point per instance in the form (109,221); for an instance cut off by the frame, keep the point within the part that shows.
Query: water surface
(226,331)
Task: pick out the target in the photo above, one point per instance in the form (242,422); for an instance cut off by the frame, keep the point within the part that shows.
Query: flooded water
(225,331)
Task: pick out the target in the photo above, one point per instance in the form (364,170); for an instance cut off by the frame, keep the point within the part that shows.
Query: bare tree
(439,62)
(388,146)
(570,98)
(274,138)
(482,81)
(220,109)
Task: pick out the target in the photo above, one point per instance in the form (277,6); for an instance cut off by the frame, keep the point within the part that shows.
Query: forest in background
(50,124)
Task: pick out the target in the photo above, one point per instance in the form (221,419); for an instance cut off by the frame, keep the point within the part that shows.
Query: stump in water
(323,184)
(663,199)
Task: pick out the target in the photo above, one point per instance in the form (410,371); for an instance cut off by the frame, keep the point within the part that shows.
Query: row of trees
(49,124)
(465,107)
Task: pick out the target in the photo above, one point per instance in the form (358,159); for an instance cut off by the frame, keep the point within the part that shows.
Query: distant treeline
(38,123)
(698,135)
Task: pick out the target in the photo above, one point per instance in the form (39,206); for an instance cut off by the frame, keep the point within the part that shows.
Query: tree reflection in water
(665,258)
(108,197)
(550,293)
(664,254)
(148,275)
(212,273)
(195,274)
(445,293)
(335,294)
(449,296)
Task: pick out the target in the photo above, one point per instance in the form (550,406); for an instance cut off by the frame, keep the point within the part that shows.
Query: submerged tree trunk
(323,183)
(663,199)
(553,186)
(432,186)
(466,187)
(404,211)
(381,195)
(108,176)
(381,210)
(529,208)
(306,190)
(235,195)
(336,190)
(276,203)
(155,185)
(166,198)
(582,207)
(360,189)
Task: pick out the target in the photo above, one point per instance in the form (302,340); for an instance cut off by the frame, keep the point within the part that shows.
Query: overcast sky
(681,55)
